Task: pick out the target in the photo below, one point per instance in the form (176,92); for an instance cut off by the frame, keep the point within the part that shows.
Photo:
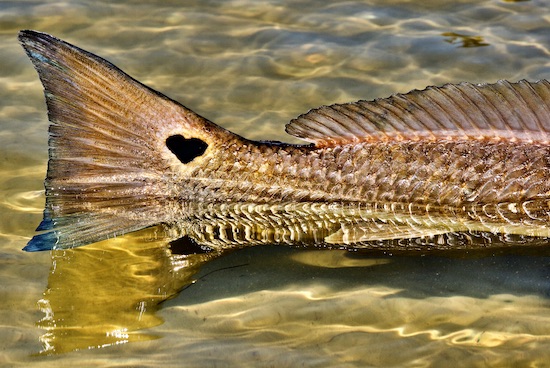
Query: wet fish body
(461,158)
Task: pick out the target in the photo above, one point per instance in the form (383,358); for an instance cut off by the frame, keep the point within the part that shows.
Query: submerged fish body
(459,158)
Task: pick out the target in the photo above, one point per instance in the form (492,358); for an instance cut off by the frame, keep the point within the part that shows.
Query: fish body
(460,158)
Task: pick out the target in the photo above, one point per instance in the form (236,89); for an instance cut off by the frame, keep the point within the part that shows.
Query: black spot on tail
(185,149)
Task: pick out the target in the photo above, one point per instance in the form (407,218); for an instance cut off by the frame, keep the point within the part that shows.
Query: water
(251,67)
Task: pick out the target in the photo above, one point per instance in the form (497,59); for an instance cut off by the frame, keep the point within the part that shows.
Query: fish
(428,164)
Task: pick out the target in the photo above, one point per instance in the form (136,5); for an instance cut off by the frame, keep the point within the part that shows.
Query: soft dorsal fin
(501,111)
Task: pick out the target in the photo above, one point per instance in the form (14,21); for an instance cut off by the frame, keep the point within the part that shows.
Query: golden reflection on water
(335,260)
(108,292)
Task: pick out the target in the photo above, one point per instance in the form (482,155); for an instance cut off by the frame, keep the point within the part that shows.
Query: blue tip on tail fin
(46,240)
(46,224)
(42,242)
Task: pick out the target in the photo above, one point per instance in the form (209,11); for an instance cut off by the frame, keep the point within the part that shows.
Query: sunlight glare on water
(251,67)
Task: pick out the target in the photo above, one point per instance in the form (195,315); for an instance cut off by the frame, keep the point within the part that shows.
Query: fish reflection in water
(108,294)
(447,168)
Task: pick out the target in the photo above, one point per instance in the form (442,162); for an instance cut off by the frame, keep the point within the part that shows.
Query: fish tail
(114,146)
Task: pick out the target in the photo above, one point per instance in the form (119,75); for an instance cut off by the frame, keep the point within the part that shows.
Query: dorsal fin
(501,111)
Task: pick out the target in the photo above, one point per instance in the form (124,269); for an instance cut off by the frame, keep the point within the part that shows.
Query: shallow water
(251,67)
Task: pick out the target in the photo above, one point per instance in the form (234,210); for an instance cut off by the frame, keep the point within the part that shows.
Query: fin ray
(503,110)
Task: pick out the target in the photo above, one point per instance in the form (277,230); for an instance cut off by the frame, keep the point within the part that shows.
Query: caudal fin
(112,141)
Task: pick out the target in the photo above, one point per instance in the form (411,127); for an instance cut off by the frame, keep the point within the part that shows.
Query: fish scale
(448,167)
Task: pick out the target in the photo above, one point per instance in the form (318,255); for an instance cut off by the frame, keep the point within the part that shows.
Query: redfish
(433,163)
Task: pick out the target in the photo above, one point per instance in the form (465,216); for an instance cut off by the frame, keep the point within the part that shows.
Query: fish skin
(464,158)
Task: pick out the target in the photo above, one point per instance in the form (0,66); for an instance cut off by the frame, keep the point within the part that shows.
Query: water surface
(252,66)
